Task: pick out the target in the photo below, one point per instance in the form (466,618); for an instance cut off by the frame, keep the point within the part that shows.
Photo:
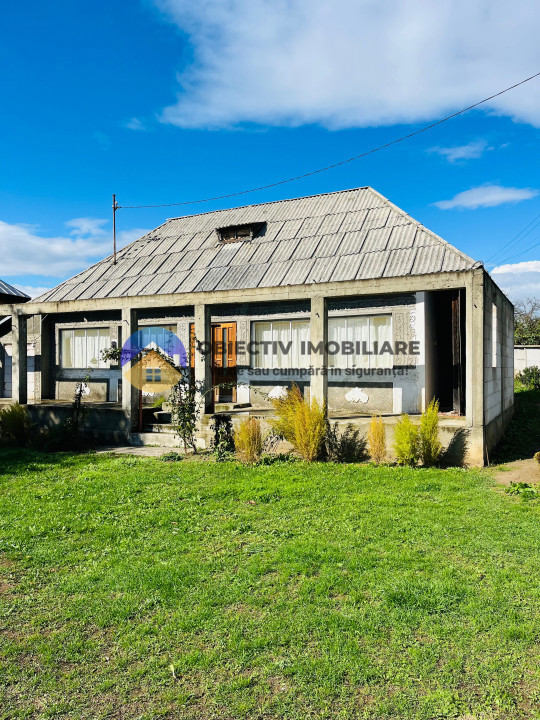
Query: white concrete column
(318,330)
(42,370)
(474,343)
(19,378)
(203,354)
(130,394)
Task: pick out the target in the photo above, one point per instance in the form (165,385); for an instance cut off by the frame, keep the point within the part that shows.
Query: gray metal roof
(7,289)
(336,237)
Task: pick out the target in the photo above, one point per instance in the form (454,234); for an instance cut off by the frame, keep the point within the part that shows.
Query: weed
(347,446)
(248,440)
(524,490)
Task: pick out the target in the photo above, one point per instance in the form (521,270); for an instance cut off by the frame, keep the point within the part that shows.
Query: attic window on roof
(239,233)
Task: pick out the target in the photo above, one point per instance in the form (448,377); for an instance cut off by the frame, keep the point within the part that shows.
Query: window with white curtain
(366,330)
(82,348)
(280,343)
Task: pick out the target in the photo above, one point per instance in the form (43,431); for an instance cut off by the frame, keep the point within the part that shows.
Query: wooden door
(458,352)
(224,370)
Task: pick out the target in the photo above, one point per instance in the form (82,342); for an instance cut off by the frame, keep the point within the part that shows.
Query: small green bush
(377,440)
(430,447)
(406,442)
(301,423)
(15,425)
(530,378)
(248,440)
(344,447)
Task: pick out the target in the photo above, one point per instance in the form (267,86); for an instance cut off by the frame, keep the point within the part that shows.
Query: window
(237,233)
(359,334)
(161,336)
(494,324)
(153,375)
(82,348)
(279,344)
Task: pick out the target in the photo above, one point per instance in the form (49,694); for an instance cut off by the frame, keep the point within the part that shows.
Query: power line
(341,162)
(519,254)
(534,223)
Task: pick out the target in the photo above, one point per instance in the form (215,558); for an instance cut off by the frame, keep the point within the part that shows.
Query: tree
(527,322)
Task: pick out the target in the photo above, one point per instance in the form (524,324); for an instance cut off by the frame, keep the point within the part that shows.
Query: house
(152,374)
(10,294)
(526,356)
(343,293)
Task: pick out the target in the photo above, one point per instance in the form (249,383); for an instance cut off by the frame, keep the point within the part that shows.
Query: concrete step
(151,438)
(160,428)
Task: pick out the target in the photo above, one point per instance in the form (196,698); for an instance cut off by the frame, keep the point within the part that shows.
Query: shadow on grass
(17,460)
(522,437)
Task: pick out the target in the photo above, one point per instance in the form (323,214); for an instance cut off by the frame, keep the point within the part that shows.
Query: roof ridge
(271,202)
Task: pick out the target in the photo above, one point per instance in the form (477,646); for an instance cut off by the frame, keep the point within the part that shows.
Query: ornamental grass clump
(301,423)
(248,440)
(377,440)
(430,446)
(15,425)
(406,442)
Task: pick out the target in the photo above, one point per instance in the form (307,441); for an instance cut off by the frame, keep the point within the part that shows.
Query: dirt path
(527,471)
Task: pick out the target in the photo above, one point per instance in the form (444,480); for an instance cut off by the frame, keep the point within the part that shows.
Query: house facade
(10,294)
(343,293)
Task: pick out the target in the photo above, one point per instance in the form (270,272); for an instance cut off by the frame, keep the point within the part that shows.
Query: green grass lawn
(135,588)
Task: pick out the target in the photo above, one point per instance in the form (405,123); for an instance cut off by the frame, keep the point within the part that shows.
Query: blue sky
(164,101)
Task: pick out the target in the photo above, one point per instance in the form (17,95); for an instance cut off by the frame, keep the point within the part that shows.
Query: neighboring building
(329,269)
(10,294)
(526,356)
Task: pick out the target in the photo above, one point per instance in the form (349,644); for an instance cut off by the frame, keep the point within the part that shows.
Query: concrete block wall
(498,362)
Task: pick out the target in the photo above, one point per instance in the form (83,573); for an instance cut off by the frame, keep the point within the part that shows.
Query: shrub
(171,456)
(430,447)
(347,446)
(377,440)
(248,440)
(530,378)
(301,423)
(406,442)
(15,425)
(223,442)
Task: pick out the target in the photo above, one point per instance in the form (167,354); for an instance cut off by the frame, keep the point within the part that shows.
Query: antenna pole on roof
(114,209)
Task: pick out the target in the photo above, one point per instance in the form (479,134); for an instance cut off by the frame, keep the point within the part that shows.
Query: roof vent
(239,233)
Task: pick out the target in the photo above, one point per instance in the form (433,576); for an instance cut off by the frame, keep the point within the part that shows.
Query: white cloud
(134,124)
(486,196)
(32,290)
(519,280)
(86,226)
(25,251)
(352,63)
(471,151)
